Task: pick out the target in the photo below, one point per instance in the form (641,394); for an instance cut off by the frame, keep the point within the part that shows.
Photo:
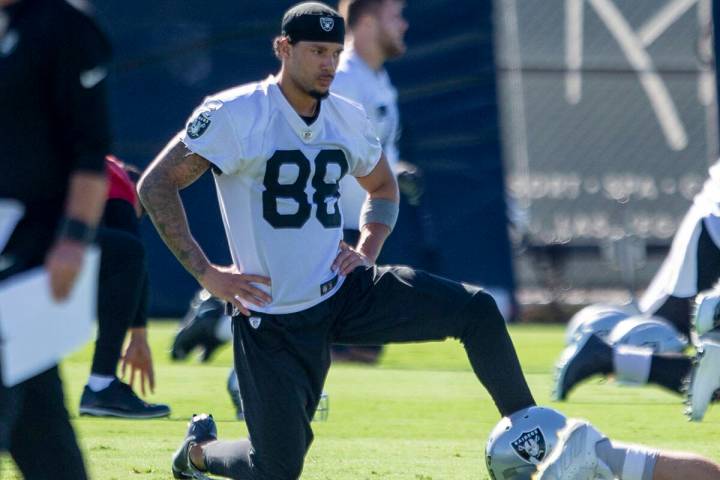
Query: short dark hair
(353,10)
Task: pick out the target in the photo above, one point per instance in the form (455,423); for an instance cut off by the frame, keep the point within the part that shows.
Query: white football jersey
(373,90)
(279,186)
(709,198)
(678,275)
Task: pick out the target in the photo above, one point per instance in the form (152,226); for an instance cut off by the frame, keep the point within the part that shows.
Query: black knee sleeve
(482,313)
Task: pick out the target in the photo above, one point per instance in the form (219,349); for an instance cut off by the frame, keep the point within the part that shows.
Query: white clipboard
(36,332)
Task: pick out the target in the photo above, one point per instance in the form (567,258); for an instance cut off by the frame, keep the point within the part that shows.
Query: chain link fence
(609,120)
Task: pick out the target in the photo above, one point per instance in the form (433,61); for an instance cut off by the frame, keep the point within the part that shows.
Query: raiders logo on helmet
(530,446)
(521,441)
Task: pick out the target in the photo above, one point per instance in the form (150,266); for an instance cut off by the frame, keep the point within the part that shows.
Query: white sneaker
(704,378)
(574,456)
(707,311)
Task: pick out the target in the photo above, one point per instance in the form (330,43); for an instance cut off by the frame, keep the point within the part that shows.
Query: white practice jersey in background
(372,89)
(278,190)
(709,197)
(678,275)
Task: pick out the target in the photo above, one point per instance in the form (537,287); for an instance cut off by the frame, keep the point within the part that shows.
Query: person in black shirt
(54,133)
(122,307)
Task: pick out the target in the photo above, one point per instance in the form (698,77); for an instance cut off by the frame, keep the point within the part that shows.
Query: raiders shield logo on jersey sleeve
(198,126)
(530,446)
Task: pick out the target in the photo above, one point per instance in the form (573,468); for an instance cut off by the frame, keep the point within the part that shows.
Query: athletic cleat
(201,428)
(574,457)
(233,389)
(704,379)
(707,312)
(119,400)
(589,356)
(198,330)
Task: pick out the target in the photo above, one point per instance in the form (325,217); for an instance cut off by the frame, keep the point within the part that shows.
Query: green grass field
(420,415)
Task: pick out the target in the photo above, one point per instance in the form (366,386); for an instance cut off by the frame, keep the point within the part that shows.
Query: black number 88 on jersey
(324,191)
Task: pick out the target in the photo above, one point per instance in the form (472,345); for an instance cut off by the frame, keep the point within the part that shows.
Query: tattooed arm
(175,168)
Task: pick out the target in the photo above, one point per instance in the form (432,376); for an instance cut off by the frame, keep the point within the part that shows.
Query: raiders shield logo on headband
(327,23)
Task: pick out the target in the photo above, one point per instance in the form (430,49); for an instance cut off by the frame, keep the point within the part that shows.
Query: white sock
(99,382)
(223,329)
(632,364)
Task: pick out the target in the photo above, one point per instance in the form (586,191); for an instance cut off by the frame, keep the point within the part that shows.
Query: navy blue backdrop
(716,49)
(170,54)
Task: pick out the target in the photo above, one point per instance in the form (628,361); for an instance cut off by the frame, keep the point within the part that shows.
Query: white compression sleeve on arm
(626,461)
(639,463)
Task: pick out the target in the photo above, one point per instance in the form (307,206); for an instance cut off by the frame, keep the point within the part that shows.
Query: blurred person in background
(692,266)
(376,34)
(204,327)
(54,132)
(122,308)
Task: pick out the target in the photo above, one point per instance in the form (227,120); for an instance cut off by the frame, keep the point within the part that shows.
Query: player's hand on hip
(63,263)
(349,259)
(232,286)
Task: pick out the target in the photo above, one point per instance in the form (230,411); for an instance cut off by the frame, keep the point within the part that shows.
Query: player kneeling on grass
(278,149)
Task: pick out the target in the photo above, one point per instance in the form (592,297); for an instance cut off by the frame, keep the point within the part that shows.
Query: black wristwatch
(73,229)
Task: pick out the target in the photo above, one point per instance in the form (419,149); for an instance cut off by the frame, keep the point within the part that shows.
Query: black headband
(313,22)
